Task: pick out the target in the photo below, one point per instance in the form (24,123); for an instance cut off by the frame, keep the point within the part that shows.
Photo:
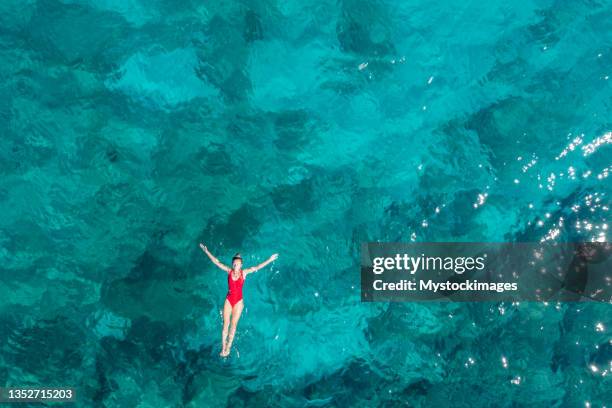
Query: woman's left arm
(261,265)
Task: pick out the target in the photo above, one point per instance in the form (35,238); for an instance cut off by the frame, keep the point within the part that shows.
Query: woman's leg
(236,312)
(227,310)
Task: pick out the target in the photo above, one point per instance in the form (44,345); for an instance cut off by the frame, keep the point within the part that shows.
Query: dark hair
(237,256)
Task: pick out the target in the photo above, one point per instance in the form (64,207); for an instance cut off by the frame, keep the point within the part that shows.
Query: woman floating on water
(233,302)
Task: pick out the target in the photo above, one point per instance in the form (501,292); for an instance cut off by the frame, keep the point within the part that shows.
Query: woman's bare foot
(224,352)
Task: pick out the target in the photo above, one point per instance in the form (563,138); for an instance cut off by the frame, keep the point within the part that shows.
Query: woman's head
(237,262)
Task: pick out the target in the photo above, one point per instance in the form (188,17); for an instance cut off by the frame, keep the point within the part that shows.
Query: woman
(233,302)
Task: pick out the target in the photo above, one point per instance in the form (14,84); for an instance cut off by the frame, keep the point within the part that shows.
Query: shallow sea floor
(132,130)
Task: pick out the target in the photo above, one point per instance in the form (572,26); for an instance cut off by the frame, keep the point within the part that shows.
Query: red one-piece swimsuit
(234,293)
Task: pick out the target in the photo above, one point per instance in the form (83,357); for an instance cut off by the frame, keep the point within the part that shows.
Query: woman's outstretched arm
(214,260)
(261,265)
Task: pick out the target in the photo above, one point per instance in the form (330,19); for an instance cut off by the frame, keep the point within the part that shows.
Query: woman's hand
(261,265)
(213,259)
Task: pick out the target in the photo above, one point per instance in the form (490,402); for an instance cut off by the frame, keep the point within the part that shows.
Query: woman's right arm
(213,259)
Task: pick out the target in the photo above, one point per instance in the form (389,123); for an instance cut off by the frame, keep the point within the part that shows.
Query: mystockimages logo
(467,272)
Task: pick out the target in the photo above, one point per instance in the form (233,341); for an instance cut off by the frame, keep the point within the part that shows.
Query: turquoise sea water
(132,130)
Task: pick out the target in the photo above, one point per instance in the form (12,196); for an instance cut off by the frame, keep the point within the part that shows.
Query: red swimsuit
(234,294)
